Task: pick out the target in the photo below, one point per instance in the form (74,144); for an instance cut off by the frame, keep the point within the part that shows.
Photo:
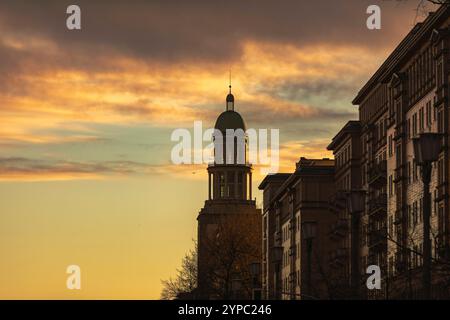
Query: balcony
(277,237)
(440,192)
(398,216)
(378,205)
(400,262)
(339,229)
(338,201)
(339,257)
(377,237)
(377,174)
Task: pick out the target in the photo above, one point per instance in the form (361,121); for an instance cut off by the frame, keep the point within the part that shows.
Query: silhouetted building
(296,222)
(406,96)
(346,147)
(229,225)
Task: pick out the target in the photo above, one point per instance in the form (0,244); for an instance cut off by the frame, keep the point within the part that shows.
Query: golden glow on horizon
(127,231)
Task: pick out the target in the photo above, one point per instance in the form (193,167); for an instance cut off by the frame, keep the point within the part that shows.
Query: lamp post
(255,269)
(355,205)
(426,151)
(309,229)
(236,285)
(277,256)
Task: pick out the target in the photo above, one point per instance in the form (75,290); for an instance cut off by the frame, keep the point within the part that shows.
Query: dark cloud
(23,166)
(172,31)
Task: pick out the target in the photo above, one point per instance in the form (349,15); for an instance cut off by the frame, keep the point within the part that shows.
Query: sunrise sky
(86,118)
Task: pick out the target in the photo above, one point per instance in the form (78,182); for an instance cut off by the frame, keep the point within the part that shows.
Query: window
(421,120)
(391,225)
(409,172)
(398,158)
(440,172)
(414,170)
(415,213)
(440,120)
(408,128)
(390,186)
(409,215)
(230,183)
(390,145)
(429,113)
(420,210)
(414,124)
(222,184)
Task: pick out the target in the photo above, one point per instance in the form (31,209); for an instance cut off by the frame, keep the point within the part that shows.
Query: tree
(186,279)
(406,282)
(422,8)
(230,249)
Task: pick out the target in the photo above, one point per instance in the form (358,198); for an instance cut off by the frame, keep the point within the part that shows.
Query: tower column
(244,186)
(209,185)
(226,186)
(236,195)
(250,186)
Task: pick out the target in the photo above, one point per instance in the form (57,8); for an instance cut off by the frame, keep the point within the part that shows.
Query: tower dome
(229,119)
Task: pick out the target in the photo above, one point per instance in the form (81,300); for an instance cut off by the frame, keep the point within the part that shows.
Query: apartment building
(374,156)
(345,232)
(407,95)
(296,224)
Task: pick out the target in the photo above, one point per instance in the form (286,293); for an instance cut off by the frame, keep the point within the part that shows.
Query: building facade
(407,96)
(346,247)
(296,222)
(374,159)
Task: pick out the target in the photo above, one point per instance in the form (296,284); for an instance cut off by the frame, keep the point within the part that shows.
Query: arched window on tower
(239,185)
(222,184)
(230,184)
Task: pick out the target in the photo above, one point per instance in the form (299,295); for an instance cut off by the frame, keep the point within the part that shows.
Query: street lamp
(236,285)
(355,204)
(255,270)
(309,230)
(277,256)
(356,201)
(426,151)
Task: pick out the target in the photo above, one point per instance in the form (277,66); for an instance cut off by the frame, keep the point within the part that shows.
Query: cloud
(296,66)
(202,30)
(30,169)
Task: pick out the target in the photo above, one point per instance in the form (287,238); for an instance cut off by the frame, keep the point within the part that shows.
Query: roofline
(303,171)
(273,177)
(409,41)
(350,127)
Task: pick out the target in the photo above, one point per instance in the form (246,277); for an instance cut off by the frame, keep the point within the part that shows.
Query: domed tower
(230,176)
(229,212)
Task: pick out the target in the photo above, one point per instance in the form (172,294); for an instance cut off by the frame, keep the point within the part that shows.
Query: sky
(86,117)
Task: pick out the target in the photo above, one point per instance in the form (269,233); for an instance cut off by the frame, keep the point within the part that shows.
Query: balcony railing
(377,174)
(339,257)
(277,236)
(339,229)
(400,262)
(378,204)
(377,237)
(338,201)
(398,216)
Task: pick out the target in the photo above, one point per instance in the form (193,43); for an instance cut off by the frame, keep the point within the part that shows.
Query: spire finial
(230,98)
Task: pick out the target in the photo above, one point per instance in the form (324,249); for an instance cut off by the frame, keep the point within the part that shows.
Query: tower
(230,176)
(229,220)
